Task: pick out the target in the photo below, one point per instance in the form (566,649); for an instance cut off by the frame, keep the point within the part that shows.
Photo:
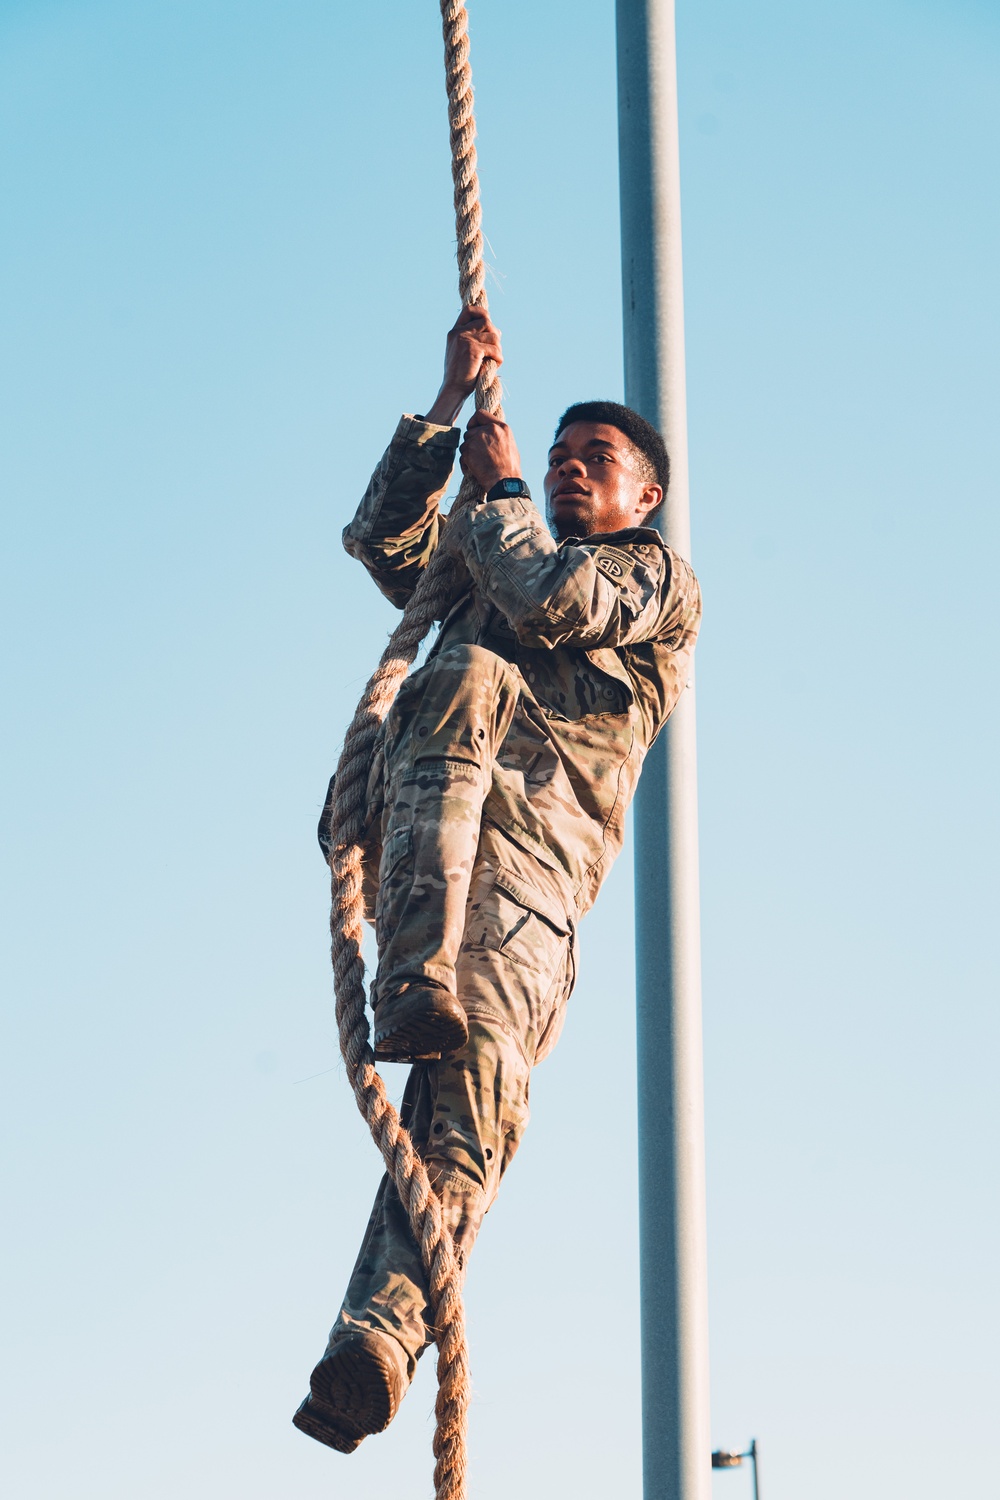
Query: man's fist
(472,340)
(489,452)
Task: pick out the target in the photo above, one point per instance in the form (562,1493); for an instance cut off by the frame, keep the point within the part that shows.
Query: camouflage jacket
(601,630)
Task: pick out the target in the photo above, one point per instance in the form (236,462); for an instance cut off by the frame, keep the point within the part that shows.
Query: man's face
(594,482)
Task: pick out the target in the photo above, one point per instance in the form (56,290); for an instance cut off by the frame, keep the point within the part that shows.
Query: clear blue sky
(227,267)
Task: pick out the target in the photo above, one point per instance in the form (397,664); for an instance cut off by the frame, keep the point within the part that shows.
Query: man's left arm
(591,594)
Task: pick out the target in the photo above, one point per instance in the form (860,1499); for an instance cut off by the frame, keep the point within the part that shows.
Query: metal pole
(676,1449)
(756,1480)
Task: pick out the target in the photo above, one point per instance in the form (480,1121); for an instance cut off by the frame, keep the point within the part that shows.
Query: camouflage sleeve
(396,527)
(606,592)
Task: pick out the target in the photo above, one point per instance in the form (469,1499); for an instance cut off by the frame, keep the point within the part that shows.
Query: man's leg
(467,1115)
(441,740)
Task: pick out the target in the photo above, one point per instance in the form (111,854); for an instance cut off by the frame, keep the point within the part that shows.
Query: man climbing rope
(496,806)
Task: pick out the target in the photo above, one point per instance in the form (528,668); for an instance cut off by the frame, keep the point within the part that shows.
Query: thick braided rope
(430,601)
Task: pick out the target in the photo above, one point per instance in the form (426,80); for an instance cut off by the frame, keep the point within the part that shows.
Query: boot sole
(351,1397)
(318,1424)
(420,1026)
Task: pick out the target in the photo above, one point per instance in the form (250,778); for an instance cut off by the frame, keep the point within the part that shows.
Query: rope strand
(430,601)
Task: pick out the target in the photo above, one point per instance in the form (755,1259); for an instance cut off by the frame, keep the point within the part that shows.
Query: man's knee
(462,703)
(480,1109)
(475,665)
(463,1201)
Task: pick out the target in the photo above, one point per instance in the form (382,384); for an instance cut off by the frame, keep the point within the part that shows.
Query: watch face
(509,487)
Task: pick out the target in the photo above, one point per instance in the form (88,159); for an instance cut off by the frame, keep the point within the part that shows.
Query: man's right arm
(397,524)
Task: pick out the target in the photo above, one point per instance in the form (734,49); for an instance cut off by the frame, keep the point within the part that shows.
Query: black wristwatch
(508,489)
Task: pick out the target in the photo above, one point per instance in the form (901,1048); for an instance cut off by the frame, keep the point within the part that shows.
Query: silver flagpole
(676,1448)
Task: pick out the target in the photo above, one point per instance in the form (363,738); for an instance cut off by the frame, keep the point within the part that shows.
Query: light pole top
(722,1458)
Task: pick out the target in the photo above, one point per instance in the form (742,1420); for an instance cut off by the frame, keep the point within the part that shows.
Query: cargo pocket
(394,880)
(520,923)
(371,838)
(562,988)
(374,803)
(323,832)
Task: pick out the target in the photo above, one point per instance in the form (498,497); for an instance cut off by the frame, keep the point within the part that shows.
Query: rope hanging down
(429,602)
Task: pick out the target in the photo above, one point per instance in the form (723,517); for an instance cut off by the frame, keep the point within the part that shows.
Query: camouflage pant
(461,905)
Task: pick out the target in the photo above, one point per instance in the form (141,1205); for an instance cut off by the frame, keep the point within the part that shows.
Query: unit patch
(614,563)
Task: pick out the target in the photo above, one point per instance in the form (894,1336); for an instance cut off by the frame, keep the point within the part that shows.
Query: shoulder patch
(614,562)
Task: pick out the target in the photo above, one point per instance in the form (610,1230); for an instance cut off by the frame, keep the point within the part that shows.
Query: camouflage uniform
(508,762)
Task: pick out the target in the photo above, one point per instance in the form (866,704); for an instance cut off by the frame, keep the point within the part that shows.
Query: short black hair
(641,434)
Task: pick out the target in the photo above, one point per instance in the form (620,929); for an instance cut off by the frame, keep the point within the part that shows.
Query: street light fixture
(722,1458)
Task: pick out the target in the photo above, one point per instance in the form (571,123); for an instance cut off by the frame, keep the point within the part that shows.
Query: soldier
(498,804)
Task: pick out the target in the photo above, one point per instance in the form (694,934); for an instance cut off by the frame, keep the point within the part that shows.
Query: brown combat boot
(420,1024)
(354,1390)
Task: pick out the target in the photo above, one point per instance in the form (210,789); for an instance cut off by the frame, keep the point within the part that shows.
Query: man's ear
(650,499)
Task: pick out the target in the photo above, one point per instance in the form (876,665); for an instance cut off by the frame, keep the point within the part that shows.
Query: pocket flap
(533,900)
(396,847)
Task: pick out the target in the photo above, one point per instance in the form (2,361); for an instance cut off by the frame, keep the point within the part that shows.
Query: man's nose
(572,466)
